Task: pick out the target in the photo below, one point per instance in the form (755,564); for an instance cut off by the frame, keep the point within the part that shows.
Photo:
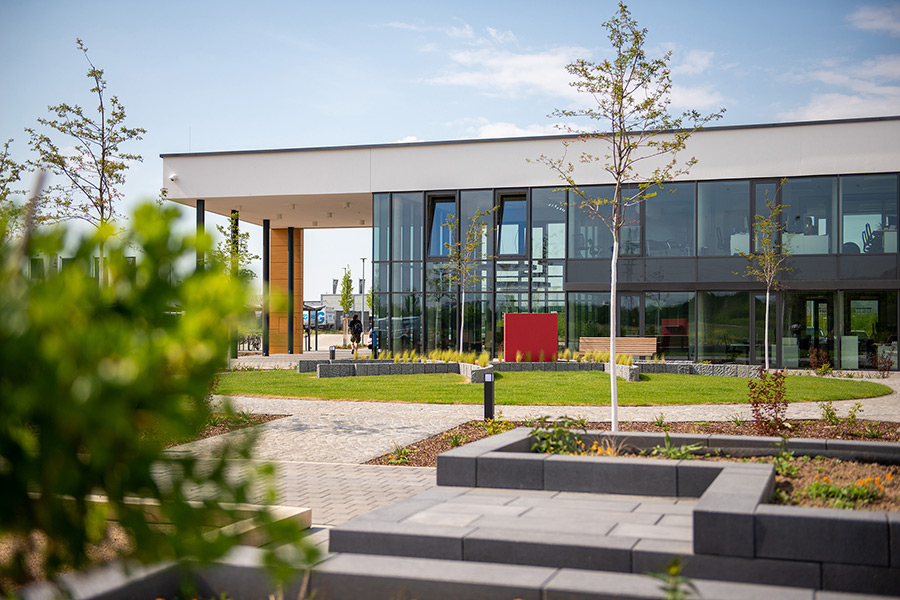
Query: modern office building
(681,278)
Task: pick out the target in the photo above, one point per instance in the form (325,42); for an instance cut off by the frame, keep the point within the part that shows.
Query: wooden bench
(635,346)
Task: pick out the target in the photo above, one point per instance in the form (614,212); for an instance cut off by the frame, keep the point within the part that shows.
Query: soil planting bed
(424,454)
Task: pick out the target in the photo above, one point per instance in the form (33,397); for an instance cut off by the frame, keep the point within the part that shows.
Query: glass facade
(869,214)
(723,217)
(681,277)
(670,220)
(669,316)
(810,215)
(723,327)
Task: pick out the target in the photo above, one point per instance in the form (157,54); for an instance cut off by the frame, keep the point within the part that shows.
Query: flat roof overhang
(332,187)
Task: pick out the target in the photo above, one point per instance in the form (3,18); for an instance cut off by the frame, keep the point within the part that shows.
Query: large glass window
(869,214)
(810,215)
(589,237)
(588,315)
(870,329)
(475,202)
(548,223)
(764,194)
(512,229)
(670,220)
(381,310)
(380,279)
(478,327)
(381,220)
(407,277)
(406,322)
(547,275)
(440,233)
(441,322)
(723,327)
(669,317)
(407,226)
(723,212)
(552,303)
(808,325)
(512,275)
(629,315)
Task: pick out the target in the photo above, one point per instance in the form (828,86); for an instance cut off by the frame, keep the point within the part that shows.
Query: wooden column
(278,284)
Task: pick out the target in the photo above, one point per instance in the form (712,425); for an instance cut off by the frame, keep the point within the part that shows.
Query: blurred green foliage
(85,368)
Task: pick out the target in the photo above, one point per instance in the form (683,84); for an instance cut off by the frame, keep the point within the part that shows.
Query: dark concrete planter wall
(732,518)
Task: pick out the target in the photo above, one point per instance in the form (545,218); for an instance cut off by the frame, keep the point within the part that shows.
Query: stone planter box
(850,550)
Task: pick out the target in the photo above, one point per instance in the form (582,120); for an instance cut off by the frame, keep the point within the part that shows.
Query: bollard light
(488,396)
(331,352)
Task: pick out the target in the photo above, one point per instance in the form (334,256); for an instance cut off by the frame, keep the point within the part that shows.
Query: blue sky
(206,76)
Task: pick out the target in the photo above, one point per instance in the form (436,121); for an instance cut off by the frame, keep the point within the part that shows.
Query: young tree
(86,156)
(767,262)
(90,172)
(631,95)
(234,251)
(346,298)
(10,173)
(464,255)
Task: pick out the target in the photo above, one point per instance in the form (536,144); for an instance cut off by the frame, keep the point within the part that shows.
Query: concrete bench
(635,346)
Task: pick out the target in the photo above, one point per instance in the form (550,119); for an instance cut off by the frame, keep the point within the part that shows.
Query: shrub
(818,358)
(557,436)
(767,401)
(95,378)
(483,359)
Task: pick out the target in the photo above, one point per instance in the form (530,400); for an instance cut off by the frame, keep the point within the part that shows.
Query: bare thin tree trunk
(766,335)
(462,317)
(613,390)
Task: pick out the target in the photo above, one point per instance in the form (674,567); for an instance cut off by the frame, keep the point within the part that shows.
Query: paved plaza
(319,447)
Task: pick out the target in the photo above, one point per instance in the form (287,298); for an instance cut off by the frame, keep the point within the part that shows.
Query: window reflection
(512,224)
(589,236)
(869,214)
(810,215)
(440,234)
(723,211)
(670,220)
(548,223)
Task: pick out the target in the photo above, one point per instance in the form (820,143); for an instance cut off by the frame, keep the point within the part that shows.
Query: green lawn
(572,388)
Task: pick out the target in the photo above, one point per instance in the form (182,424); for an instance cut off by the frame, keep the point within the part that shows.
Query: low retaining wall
(733,518)
(364,368)
(691,368)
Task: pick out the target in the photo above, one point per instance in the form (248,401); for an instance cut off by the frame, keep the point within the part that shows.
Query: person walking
(356,330)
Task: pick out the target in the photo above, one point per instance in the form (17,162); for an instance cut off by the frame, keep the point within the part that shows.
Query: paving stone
(548,548)
(398,539)
(352,577)
(610,475)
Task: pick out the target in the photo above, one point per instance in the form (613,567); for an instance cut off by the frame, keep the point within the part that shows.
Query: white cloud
(504,130)
(696,97)
(465,32)
(867,89)
(407,26)
(408,139)
(505,73)
(694,63)
(501,37)
(877,18)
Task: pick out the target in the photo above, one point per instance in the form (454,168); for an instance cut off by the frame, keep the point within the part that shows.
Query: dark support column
(234,244)
(290,298)
(265,289)
(201,227)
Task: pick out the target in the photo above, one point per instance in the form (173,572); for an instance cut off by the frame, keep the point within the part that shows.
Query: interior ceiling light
(315,223)
(278,216)
(346,205)
(330,215)
(362,221)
